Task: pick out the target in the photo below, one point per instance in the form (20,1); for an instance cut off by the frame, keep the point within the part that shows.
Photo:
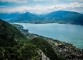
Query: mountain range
(65,17)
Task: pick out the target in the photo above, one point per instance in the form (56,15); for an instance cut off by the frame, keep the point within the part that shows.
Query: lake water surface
(63,32)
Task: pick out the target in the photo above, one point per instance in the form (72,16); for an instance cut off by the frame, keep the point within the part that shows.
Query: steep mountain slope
(15,46)
(9,34)
(53,17)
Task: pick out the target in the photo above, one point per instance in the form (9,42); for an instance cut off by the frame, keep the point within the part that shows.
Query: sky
(40,6)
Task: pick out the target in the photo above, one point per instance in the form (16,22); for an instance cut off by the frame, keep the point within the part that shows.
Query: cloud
(45,0)
(21,1)
(16,1)
(36,9)
(74,6)
(81,1)
(70,5)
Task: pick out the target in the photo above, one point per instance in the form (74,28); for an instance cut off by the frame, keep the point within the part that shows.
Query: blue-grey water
(63,32)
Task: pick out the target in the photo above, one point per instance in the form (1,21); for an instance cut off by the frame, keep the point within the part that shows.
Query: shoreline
(26,31)
(46,23)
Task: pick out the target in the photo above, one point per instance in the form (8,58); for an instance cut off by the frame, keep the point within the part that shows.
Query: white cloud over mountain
(72,5)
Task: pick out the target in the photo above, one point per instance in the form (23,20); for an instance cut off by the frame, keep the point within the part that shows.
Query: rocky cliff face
(42,55)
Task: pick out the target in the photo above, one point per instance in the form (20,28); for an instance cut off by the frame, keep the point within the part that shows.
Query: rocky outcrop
(42,55)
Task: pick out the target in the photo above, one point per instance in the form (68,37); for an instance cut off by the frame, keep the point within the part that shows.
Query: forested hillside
(13,44)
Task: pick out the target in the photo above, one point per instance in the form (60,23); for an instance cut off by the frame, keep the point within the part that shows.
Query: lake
(63,32)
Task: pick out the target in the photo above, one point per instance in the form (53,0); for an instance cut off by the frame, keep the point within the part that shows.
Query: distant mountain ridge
(65,17)
(24,17)
(8,16)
